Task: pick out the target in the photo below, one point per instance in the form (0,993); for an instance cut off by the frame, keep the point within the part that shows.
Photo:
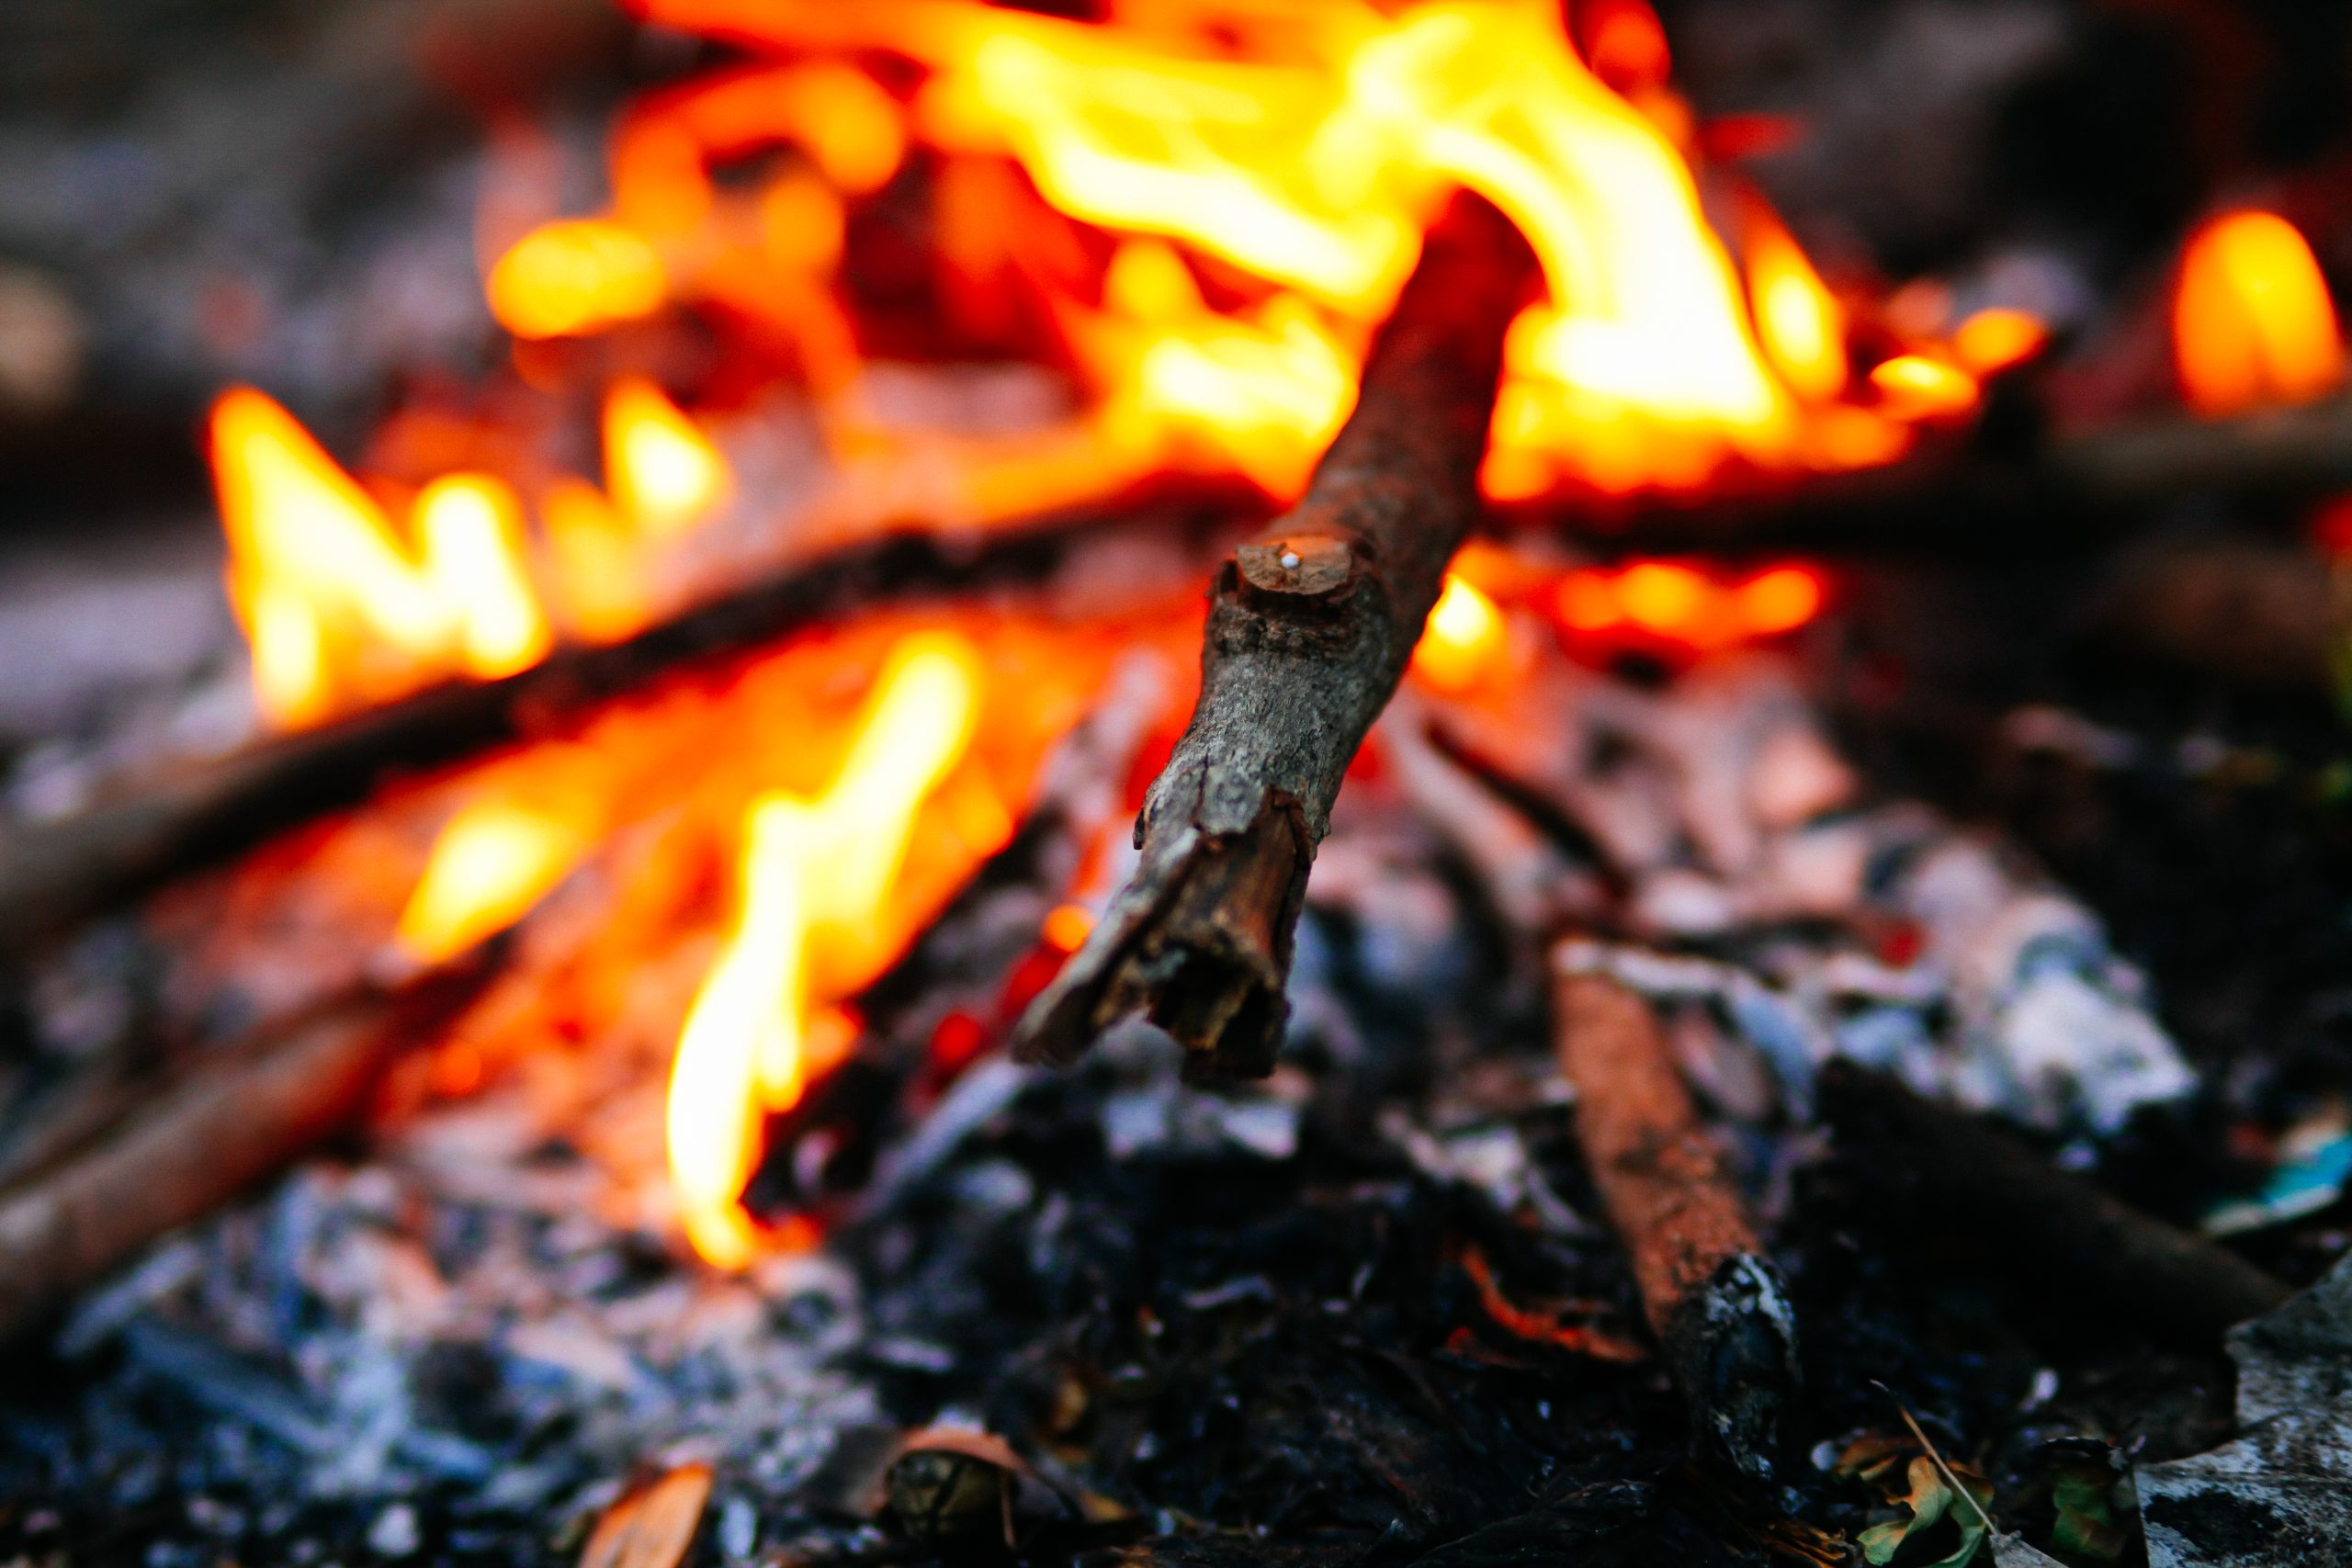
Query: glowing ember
(1777,601)
(1680,606)
(1992,340)
(814,876)
(661,470)
(2253,325)
(492,861)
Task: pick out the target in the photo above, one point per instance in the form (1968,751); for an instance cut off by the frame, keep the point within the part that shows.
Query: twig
(207,1138)
(1308,634)
(58,874)
(1720,1309)
(2056,1227)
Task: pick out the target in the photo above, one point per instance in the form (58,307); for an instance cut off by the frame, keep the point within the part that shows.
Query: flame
(1993,339)
(337,606)
(597,559)
(815,874)
(662,470)
(471,527)
(1920,387)
(1463,639)
(1307,147)
(1197,210)
(491,865)
(575,276)
(1683,607)
(2253,324)
(1800,323)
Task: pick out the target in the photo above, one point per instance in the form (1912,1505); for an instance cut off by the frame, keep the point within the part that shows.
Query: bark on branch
(205,1140)
(55,874)
(1308,633)
(1718,1306)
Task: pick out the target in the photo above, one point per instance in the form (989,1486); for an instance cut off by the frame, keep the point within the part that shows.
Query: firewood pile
(1177,782)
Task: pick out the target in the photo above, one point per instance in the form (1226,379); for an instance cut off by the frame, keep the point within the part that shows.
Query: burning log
(1719,1307)
(2056,1227)
(63,873)
(207,1138)
(1309,631)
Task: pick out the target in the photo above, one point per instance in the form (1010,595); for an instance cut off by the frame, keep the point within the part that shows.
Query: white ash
(1760,883)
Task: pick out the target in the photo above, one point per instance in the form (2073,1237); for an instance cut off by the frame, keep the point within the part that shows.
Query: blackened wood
(1308,633)
(53,875)
(208,1137)
(1957,1175)
(1719,1308)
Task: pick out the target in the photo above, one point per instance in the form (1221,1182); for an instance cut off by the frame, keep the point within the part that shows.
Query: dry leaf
(651,1526)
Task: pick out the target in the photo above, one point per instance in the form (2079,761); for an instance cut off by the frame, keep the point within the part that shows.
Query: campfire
(1213,781)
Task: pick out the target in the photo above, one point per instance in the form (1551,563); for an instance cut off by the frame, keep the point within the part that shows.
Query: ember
(667,978)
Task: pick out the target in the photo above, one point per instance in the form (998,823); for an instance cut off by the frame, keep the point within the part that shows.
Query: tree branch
(1308,633)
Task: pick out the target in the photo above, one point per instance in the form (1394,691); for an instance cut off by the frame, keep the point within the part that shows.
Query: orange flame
(1463,639)
(491,865)
(597,560)
(1202,208)
(1802,329)
(471,527)
(1670,603)
(1306,147)
(815,877)
(339,609)
(662,470)
(581,275)
(2253,324)
(1993,339)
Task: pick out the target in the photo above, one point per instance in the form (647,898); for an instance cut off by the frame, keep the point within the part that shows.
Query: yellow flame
(2253,324)
(339,609)
(1463,639)
(597,559)
(661,469)
(471,526)
(577,275)
(1804,331)
(1998,337)
(1264,172)
(816,876)
(1307,147)
(491,865)
(1917,387)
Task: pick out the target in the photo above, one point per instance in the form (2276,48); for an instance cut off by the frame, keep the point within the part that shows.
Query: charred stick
(1959,1174)
(207,1139)
(55,874)
(1308,633)
(1719,1308)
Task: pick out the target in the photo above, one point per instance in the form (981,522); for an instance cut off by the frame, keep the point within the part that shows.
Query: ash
(1249,1324)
